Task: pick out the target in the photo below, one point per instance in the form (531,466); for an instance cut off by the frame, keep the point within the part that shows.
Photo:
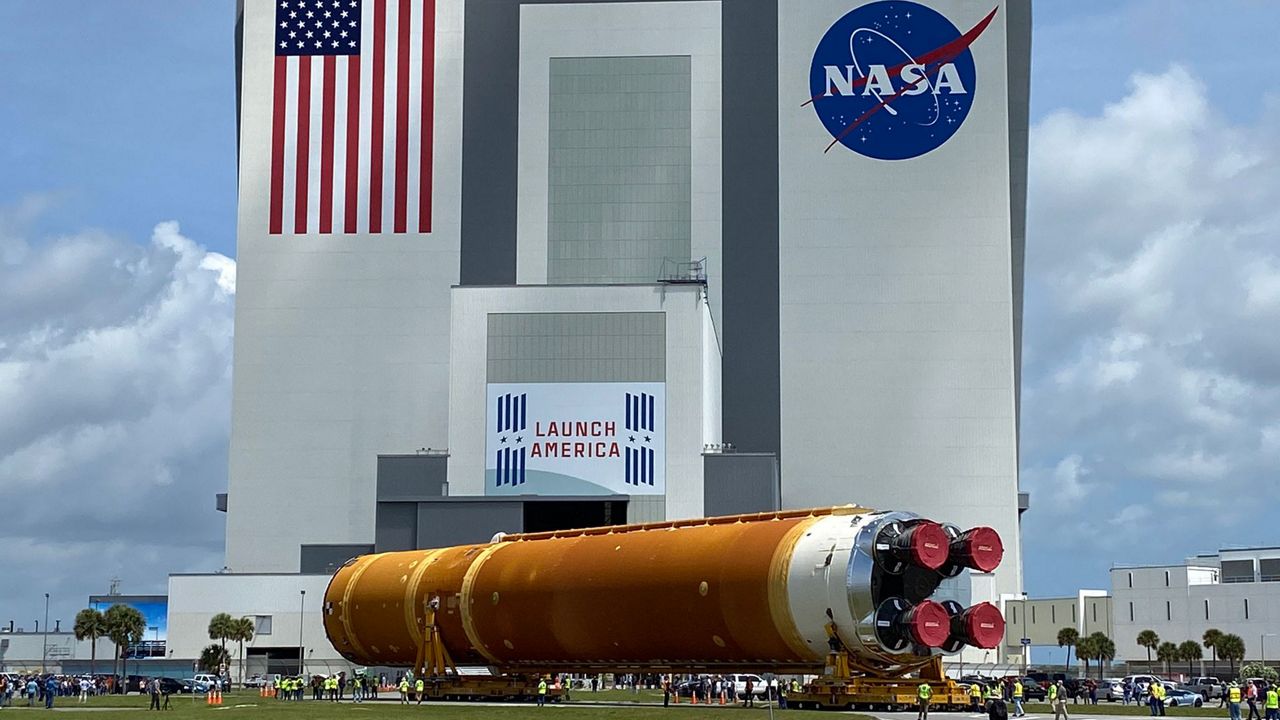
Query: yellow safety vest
(1017,690)
(542,687)
(417,685)
(1234,694)
(975,691)
(1273,700)
(404,686)
(1053,693)
(924,691)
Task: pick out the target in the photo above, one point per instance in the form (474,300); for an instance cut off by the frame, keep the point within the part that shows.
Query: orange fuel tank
(764,591)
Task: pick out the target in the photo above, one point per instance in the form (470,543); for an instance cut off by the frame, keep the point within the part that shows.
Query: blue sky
(1150,398)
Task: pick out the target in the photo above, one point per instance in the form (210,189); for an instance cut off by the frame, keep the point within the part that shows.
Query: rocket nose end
(928,624)
(979,548)
(929,545)
(984,626)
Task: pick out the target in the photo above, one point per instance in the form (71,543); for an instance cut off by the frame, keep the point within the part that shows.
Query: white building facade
(745,255)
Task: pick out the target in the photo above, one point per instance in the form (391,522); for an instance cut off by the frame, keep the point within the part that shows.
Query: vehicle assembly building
(527,265)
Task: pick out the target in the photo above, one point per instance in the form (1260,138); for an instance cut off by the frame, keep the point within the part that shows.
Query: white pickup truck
(1208,687)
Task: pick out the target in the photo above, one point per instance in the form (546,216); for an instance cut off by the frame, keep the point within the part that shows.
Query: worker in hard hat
(975,697)
(1058,696)
(923,692)
(1233,700)
(1017,698)
(542,691)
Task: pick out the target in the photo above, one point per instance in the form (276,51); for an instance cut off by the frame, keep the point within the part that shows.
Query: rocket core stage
(772,591)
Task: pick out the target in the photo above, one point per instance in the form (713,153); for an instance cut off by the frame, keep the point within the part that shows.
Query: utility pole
(302,606)
(44,656)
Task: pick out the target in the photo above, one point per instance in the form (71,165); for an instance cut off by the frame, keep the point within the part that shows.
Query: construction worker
(1273,703)
(1017,699)
(1059,694)
(1158,691)
(418,689)
(975,697)
(1233,700)
(923,692)
(404,690)
(542,691)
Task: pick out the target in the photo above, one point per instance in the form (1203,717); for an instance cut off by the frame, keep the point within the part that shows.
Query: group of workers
(325,687)
(1254,692)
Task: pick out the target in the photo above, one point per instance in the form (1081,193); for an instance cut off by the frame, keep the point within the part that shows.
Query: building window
(1246,608)
(1073,613)
(1269,570)
(261,624)
(1166,578)
(1095,612)
(1130,579)
(1053,614)
(1013,612)
(1206,608)
(1237,571)
(1131,611)
(1168,610)
(1033,614)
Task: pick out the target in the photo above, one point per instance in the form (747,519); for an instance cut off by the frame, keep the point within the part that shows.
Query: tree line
(1101,648)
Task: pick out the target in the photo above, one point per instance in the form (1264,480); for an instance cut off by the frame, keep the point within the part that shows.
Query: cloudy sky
(1151,398)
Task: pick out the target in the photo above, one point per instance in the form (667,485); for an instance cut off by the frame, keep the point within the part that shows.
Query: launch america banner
(576,439)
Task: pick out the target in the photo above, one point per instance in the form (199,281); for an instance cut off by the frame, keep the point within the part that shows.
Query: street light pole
(45,655)
(302,605)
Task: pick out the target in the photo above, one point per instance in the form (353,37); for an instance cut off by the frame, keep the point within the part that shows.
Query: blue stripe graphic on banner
(650,399)
(497,473)
(650,467)
(524,405)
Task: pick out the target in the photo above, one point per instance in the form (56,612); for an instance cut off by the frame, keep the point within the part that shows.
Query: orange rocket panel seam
(345,616)
(411,590)
(468,584)
(779,594)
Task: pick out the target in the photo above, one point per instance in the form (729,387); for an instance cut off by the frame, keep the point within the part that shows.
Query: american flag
(352,116)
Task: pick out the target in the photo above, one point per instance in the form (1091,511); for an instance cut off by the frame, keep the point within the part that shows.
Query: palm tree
(213,657)
(1068,637)
(1210,640)
(222,628)
(1149,640)
(1231,647)
(125,626)
(243,633)
(1166,653)
(1104,650)
(1190,651)
(90,625)
(1086,650)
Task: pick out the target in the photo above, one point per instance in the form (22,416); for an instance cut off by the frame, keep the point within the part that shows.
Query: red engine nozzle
(981,626)
(924,544)
(979,548)
(927,623)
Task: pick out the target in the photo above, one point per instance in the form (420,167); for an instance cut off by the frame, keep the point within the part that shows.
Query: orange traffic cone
(694,698)
(722,697)
(675,696)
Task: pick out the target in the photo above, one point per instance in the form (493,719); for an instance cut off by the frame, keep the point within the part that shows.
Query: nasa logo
(894,80)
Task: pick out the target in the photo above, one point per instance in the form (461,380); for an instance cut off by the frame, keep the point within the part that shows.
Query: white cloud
(1153,291)
(115,364)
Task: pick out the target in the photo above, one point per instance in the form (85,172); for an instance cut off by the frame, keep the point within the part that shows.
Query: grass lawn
(1105,708)
(250,705)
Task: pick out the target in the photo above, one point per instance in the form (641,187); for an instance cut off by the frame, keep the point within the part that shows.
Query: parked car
(1033,690)
(170,686)
(1183,697)
(1208,687)
(1141,682)
(1111,690)
(739,684)
(256,681)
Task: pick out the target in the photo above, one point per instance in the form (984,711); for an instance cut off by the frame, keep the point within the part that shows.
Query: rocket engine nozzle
(978,548)
(924,544)
(900,624)
(981,626)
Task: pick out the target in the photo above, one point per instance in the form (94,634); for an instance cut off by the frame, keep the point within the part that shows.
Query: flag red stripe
(353,143)
(326,147)
(402,118)
(304,143)
(428,110)
(375,130)
(276,218)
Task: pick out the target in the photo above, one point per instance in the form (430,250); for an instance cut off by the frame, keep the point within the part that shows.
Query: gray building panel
(734,483)
(322,559)
(442,524)
(619,168)
(749,168)
(576,347)
(411,477)
(395,526)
